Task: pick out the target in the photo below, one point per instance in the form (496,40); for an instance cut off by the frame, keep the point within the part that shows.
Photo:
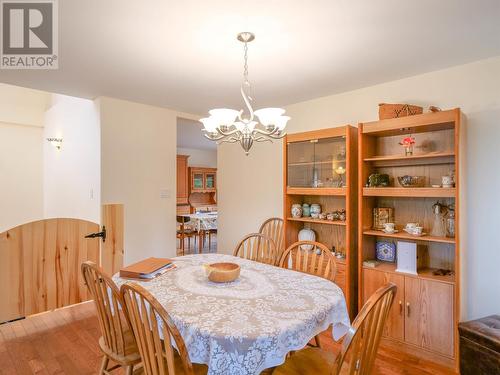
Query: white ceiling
(189,135)
(184,55)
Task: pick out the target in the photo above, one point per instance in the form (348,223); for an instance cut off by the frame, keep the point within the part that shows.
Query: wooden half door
(373,280)
(40,266)
(112,249)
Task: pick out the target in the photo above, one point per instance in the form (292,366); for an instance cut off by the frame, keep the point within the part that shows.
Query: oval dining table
(248,325)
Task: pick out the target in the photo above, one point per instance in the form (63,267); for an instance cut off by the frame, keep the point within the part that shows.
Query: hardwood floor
(65,342)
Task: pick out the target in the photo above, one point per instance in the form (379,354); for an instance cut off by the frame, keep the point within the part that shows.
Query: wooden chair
(117,341)
(274,229)
(257,247)
(310,257)
(185,232)
(313,258)
(359,347)
(154,339)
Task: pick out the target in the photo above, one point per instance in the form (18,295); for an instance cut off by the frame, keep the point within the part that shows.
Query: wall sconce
(56,142)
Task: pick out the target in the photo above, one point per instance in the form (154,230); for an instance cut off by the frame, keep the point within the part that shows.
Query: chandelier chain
(245,66)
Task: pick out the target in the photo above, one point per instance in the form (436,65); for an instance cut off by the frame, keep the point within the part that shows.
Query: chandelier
(230,125)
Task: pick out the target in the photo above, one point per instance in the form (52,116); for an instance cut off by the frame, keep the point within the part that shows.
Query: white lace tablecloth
(251,324)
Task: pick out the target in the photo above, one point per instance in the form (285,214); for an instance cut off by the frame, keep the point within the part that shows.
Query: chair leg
(130,370)
(104,365)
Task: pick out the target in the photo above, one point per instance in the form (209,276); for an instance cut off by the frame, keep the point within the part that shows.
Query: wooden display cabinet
(203,188)
(310,161)
(424,317)
(203,179)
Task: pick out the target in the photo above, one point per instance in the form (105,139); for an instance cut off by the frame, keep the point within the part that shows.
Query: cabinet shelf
(316,221)
(423,273)
(409,192)
(306,163)
(431,158)
(406,236)
(316,191)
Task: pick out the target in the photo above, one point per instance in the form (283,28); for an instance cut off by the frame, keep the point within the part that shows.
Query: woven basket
(386,111)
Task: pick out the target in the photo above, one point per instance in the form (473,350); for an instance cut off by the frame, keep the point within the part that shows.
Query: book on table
(146,269)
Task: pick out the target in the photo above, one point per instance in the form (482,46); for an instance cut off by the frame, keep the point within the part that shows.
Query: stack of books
(147,269)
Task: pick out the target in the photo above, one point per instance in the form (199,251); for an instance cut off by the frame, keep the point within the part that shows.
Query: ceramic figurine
(342,215)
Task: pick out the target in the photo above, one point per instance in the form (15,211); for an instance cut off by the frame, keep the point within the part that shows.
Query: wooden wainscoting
(40,265)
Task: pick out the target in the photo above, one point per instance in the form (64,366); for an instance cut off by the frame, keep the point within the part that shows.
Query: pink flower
(407,141)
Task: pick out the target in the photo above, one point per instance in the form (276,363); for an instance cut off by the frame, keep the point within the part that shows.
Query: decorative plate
(386,251)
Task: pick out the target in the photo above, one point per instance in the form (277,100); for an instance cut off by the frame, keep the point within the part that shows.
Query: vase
(409,150)
(306,234)
(315,210)
(306,210)
(296,210)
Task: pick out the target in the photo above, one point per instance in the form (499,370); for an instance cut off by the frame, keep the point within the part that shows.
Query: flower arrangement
(408,143)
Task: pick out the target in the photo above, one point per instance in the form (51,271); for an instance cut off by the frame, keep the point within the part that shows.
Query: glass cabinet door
(209,180)
(317,163)
(300,164)
(197,181)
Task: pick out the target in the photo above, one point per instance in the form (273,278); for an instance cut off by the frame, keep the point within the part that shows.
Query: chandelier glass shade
(230,125)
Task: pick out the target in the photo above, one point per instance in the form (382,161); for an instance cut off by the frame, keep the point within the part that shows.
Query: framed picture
(382,215)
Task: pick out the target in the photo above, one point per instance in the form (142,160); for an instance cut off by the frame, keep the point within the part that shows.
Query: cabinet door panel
(182,179)
(437,316)
(340,277)
(429,315)
(210,181)
(372,280)
(412,311)
(197,181)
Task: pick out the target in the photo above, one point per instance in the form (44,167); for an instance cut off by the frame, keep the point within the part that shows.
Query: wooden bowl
(222,272)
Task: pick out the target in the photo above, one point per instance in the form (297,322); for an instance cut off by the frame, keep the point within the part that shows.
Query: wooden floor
(65,342)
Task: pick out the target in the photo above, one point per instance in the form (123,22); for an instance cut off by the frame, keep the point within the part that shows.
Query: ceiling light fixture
(229,125)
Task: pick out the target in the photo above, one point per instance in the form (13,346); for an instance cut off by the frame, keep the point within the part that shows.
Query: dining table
(203,221)
(250,324)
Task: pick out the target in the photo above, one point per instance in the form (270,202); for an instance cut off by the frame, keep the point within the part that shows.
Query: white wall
(21,178)
(72,174)
(19,105)
(21,199)
(250,188)
(199,158)
(138,161)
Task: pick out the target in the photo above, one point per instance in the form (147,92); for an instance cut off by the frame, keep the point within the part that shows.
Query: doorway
(196,190)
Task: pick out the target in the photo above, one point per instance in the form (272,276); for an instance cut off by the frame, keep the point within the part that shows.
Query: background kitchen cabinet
(182,179)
